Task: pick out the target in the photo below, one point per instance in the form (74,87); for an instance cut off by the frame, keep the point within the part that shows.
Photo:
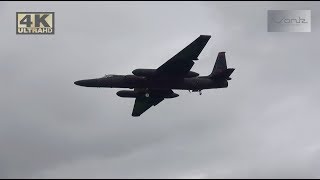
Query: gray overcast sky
(264,125)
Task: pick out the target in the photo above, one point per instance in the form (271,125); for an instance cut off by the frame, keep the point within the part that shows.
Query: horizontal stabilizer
(224,74)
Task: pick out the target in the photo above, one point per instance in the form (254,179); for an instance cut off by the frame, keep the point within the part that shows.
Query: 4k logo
(35,22)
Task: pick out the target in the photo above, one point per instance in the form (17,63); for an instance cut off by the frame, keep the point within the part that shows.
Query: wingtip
(205,36)
(135,115)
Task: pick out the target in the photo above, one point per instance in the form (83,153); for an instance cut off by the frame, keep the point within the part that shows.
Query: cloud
(263,125)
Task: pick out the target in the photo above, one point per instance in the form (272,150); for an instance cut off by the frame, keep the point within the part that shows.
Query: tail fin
(220,69)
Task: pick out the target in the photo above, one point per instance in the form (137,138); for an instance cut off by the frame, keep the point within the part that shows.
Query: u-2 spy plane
(151,86)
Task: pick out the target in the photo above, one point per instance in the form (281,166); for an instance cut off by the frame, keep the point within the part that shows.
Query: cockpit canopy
(108,75)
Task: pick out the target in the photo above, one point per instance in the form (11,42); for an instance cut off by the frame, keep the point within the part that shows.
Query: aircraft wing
(180,64)
(143,103)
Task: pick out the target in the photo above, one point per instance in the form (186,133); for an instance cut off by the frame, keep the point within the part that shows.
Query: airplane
(151,86)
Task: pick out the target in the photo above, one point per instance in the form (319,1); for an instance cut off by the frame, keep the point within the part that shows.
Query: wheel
(147,95)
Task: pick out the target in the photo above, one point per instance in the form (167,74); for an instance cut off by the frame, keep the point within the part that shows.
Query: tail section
(220,69)
(221,64)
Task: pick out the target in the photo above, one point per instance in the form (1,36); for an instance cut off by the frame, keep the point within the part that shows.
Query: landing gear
(147,93)
(200,92)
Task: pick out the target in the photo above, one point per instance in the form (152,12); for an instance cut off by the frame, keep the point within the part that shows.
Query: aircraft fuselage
(133,81)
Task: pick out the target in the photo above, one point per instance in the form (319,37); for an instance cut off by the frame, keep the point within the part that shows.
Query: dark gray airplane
(151,86)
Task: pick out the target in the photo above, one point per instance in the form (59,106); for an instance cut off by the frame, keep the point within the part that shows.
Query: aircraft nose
(80,83)
(88,83)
